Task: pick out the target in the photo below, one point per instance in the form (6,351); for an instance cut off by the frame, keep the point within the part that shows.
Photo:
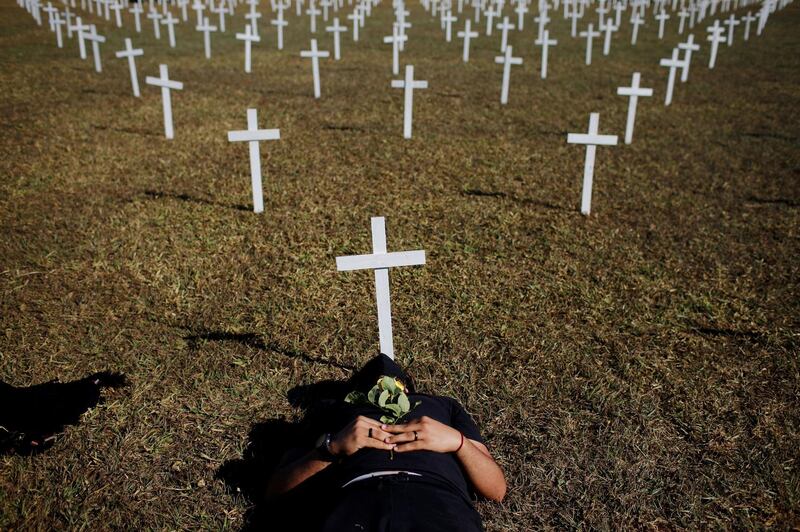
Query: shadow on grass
(255,341)
(32,417)
(131,131)
(773,201)
(155,194)
(497,194)
(269,443)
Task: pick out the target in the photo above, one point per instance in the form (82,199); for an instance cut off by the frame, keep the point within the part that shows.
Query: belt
(380,474)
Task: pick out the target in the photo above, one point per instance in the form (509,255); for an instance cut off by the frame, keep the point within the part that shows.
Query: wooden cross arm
(381,260)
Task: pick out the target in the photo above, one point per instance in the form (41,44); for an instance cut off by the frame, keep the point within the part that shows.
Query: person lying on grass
(414,474)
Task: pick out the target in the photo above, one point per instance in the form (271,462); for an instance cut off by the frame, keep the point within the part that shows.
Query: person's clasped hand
(423,434)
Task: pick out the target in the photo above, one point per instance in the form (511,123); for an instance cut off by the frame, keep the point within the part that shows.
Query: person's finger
(378,434)
(368,421)
(398,429)
(411,446)
(403,437)
(378,444)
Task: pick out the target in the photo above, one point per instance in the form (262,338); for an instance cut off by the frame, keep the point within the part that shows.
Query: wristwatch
(324,447)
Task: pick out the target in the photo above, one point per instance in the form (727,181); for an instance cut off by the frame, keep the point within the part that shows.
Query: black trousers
(400,503)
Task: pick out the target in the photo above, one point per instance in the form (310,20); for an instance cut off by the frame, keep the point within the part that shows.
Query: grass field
(637,368)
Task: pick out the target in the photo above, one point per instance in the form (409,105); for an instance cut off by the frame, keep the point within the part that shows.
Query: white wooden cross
(68,18)
(252,20)
(490,14)
(748,18)
(50,10)
(589,34)
(601,13)
(448,20)
(521,10)
(504,27)
(574,16)
(221,11)
(170,22)
(689,46)
(542,19)
(467,34)
(315,54)
(184,5)
(619,7)
(252,135)
(591,140)
(279,23)
(155,16)
(715,38)
(673,64)
(96,40)
(609,29)
(731,22)
(313,12)
(198,7)
(633,93)
(248,39)
(636,22)
(130,53)
(395,39)
(662,17)
(57,23)
(402,25)
(356,17)
(206,28)
(506,60)
(545,42)
(409,84)
(166,85)
(336,29)
(380,261)
(80,27)
(117,7)
(137,12)
(682,22)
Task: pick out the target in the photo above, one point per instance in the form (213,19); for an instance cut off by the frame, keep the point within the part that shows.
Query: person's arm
(360,433)
(431,435)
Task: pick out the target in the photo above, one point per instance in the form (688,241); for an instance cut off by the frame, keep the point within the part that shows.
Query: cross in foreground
(253,136)
(409,84)
(592,140)
(166,85)
(380,261)
(633,92)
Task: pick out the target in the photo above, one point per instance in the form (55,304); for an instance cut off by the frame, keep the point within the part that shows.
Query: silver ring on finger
(416,436)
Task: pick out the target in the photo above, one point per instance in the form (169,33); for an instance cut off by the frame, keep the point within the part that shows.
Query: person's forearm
(482,470)
(294,473)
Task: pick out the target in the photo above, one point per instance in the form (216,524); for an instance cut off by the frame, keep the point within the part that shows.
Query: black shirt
(442,467)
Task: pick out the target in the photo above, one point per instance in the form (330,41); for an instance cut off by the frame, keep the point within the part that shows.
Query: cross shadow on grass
(270,442)
(478,193)
(255,341)
(155,194)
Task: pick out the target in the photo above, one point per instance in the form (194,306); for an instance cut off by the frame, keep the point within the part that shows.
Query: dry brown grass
(638,368)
